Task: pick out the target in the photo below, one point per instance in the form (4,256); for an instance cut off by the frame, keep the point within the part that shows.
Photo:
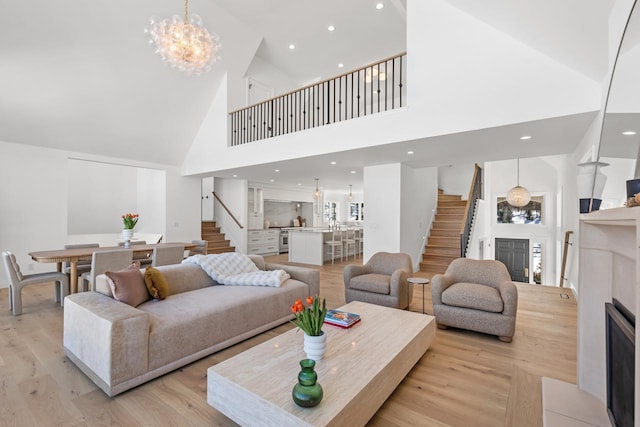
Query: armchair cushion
(377,283)
(472,295)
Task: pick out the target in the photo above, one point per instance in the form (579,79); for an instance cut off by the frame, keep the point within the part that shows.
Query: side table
(419,281)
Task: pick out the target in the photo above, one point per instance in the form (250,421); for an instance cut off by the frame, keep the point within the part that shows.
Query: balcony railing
(372,89)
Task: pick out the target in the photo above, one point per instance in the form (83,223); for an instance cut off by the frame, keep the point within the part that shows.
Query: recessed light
(271,180)
(353,171)
(299,184)
(409,152)
(629,132)
(340,65)
(277,170)
(235,176)
(331,28)
(525,137)
(292,46)
(379,6)
(333,163)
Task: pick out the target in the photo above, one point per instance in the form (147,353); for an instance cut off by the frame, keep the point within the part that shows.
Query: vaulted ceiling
(80,76)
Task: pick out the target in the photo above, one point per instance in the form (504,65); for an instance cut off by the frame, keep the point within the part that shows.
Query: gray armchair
(477,295)
(382,280)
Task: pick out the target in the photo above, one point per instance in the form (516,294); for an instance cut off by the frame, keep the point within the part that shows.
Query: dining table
(72,256)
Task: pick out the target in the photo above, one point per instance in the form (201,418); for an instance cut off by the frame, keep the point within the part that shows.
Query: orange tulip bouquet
(311,318)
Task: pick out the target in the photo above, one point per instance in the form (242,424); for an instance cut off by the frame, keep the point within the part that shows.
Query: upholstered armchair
(382,280)
(477,295)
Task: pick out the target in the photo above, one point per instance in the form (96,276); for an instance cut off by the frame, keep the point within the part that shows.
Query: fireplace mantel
(609,250)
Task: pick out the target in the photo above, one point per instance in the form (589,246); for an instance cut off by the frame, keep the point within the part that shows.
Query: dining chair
(167,254)
(101,261)
(144,258)
(83,266)
(17,281)
(200,249)
(333,243)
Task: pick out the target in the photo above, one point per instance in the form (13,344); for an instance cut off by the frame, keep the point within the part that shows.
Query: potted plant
(310,320)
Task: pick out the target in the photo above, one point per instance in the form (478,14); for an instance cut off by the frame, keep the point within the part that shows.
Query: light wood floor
(464,379)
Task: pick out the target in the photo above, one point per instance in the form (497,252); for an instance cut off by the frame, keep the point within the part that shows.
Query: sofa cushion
(156,283)
(128,285)
(189,322)
(377,283)
(473,295)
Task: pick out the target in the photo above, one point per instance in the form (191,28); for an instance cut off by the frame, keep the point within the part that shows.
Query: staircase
(217,243)
(444,240)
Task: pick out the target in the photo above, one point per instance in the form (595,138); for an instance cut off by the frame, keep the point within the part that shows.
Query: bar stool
(349,239)
(335,243)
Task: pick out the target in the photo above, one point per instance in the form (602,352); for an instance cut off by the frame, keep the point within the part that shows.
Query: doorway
(514,253)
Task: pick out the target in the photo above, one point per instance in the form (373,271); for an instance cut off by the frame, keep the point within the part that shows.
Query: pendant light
(518,196)
(350,195)
(316,194)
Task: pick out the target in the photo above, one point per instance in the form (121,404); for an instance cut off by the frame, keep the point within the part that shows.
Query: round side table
(419,281)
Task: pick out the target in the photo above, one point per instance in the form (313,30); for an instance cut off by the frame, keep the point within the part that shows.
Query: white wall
(456,178)
(233,193)
(33,211)
(381,188)
(98,194)
(207,198)
(419,199)
(399,203)
(151,200)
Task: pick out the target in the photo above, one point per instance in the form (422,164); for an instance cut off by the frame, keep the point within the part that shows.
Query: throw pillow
(128,285)
(156,283)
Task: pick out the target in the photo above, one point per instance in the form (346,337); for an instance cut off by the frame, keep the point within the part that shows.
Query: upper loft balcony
(368,90)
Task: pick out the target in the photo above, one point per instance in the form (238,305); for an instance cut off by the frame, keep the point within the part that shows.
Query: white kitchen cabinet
(263,242)
(255,204)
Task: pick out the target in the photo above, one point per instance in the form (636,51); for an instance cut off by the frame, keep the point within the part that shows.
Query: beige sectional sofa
(119,346)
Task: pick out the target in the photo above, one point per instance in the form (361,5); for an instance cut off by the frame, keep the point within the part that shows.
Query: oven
(284,241)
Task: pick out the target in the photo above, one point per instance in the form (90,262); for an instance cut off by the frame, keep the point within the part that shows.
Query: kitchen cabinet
(263,242)
(255,205)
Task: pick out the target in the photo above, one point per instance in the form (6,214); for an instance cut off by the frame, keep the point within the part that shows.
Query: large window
(528,214)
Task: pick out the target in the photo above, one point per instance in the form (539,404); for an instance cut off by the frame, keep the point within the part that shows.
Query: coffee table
(361,368)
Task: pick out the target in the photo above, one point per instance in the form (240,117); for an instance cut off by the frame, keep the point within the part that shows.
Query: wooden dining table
(72,256)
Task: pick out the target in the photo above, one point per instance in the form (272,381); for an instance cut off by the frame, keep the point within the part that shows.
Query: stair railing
(227,209)
(371,89)
(475,193)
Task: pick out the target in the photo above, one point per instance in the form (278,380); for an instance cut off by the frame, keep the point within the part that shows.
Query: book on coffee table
(341,318)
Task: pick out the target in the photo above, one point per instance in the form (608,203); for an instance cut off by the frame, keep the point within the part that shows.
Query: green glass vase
(307,393)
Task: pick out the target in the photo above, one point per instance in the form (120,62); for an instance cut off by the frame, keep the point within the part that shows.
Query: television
(620,346)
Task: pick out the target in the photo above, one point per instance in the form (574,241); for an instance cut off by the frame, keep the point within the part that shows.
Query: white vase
(127,234)
(315,346)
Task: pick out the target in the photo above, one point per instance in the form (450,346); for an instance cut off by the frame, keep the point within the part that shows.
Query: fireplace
(620,363)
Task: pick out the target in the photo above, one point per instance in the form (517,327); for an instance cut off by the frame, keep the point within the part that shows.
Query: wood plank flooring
(465,379)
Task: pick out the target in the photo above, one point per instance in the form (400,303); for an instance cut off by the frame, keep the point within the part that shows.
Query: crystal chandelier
(518,196)
(184,43)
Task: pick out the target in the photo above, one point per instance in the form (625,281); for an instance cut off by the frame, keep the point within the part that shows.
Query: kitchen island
(306,245)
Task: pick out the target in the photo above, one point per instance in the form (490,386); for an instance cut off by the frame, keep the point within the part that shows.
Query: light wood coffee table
(361,368)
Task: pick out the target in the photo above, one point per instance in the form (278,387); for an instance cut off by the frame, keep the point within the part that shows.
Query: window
(529,214)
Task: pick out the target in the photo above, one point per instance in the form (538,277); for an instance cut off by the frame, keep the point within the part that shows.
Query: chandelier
(518,196)
(316,194)
(183,43)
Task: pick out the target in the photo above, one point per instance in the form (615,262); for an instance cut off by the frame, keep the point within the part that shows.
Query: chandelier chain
(186,11)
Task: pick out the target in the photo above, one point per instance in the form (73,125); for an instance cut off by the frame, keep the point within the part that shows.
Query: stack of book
(341,318)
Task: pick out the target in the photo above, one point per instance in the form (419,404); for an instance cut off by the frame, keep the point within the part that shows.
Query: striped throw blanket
(234,268)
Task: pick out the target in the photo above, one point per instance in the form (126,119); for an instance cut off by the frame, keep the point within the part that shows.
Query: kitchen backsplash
(282,214)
